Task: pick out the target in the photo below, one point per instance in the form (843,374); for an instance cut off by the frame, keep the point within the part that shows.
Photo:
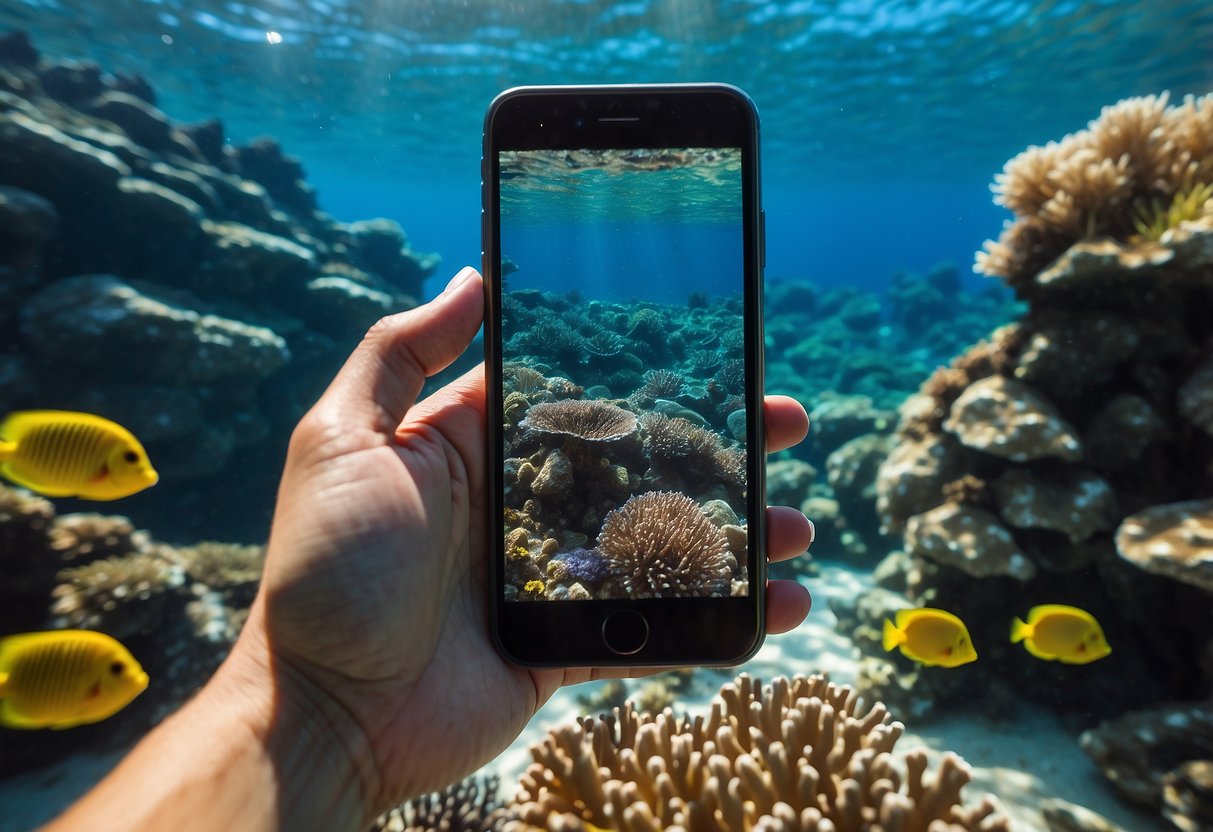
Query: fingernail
(459,279)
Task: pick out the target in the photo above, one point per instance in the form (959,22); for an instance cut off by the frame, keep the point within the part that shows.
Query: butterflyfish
(60,453)
(1056,632)
(64,678)
(933,637)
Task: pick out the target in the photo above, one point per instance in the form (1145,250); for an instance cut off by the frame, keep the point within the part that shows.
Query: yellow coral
(1154,219)
(534,587)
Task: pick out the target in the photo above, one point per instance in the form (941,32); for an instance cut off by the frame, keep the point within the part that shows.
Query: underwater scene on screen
(989,282)
(625,420)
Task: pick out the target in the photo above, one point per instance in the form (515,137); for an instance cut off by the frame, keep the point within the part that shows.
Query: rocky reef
(182,285)
(1068,458)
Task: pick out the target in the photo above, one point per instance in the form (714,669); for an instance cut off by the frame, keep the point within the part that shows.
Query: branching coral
(80,538)
(801,754)
(1101,181)
(588,420)
(661,545)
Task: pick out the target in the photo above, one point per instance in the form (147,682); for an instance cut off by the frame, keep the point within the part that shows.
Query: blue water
(883,122)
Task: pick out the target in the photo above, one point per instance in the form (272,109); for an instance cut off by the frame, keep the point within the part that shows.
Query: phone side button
(762,237)
(625,632)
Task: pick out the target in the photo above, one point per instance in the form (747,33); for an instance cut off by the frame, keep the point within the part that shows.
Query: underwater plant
(1156,218)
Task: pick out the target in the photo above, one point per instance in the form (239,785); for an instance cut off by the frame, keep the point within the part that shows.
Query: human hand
(371,625)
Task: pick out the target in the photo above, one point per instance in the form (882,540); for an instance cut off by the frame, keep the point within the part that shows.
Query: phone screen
(624,364)
(623,370)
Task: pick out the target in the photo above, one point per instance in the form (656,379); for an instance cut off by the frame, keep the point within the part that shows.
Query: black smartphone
(623,249)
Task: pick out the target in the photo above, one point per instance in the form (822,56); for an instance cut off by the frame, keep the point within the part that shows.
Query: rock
(1121,432)
(282,175)
(1074,502)
(912,477)
(26,222)
(244,260)
(720,513)
(43,159)
(1062,348)
(1137,750)
(969,539)
(736,422)
(676,411)
(1008,419)
(338,304)
(555,478)
(1062,816)
(839,419)
(788,481)
(15,48)
(141,121)
(1195,397)
(161,335)
(380,246)
(1187,796)
(72,81)
(207,136)
(1175,540)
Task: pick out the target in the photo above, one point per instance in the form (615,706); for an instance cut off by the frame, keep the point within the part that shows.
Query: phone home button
(625,632)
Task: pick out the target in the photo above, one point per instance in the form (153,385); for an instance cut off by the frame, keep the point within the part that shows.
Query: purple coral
(586,566)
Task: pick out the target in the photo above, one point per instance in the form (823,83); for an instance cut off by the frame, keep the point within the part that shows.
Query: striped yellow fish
(60,453)
(64,678)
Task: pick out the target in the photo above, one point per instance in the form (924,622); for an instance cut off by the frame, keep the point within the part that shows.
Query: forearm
(237,756)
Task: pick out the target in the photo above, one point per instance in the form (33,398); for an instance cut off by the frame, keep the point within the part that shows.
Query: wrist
(323,767)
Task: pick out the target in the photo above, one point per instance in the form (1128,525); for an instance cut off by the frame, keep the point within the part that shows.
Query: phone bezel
(700,631)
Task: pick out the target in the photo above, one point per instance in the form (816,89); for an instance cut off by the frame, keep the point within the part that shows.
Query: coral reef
(471,805)
(176,282)
(1111,180)
(798,754)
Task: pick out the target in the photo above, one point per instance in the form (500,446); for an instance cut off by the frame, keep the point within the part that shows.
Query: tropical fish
(60,453)
(934,637)
(64,678)
(1056,632)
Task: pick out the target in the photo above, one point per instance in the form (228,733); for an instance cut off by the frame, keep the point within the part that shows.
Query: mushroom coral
(1139,167)
(802,754)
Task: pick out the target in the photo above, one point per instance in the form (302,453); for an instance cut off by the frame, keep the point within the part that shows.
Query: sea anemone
(605,344)
(661,544)
(588,420)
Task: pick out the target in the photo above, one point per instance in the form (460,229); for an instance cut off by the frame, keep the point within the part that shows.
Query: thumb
(381,380)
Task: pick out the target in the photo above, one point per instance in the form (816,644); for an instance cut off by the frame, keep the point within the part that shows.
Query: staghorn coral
(661,544)
(590,421)
(1140,153)
(800,754)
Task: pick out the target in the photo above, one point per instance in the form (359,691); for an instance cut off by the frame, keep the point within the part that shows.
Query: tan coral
(219,564)
(1009,419)
(1097,181)
(1175,540)
(800,754)
(84,537)
(118,594)
(661,544)
(587,420)
(969,539)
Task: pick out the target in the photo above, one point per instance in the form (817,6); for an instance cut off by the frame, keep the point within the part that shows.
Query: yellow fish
(64,454)
(1056,632)
(64,678)
(933,637)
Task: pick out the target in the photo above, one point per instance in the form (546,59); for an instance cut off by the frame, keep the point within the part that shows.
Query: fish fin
(1019,630)
(892,636)
(3,683)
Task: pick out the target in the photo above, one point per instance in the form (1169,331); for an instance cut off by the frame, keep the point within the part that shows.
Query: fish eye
(131,457)
(116,668)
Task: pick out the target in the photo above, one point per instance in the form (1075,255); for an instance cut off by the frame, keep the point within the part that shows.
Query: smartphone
(623,256)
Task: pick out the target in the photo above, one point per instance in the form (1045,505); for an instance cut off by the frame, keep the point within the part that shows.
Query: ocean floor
(1023,763)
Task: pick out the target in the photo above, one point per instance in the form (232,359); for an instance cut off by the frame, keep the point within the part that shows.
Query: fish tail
(1019,630)
(892,635)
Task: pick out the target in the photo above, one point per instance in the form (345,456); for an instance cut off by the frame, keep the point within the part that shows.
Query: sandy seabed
(1022,763)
